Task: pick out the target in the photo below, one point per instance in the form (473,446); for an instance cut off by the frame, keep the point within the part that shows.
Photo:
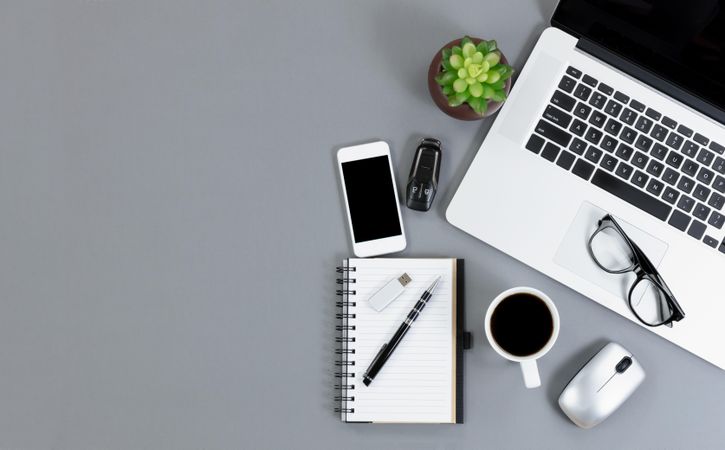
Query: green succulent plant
(473,74)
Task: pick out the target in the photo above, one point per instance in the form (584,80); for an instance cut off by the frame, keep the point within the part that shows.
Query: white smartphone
(371,199)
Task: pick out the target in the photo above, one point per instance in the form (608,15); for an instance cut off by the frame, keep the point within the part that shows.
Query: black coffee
(522,324)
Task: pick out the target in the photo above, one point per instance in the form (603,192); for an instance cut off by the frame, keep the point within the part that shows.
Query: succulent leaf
(498,96)
(493,58)
(460,85)
(462,96)
(446,53)
(483,77)
(468,49)
(476,89)
(493,76)
(456,61)
(453,101)
(465,40)
(456,50)
(492,45)
(462,72)
(475,104)
(487,92)
(477,58)
(447,90)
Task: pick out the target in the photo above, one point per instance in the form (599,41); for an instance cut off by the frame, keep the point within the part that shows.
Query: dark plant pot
(462,112)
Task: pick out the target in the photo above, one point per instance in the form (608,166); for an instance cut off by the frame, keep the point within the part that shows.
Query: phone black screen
(371,199)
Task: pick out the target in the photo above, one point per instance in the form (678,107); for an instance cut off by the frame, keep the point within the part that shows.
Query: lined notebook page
(417,384)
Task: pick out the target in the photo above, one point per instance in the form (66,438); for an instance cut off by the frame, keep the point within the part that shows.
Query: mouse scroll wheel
(624,364)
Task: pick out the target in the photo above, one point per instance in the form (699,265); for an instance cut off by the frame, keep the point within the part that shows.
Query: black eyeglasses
(649,298)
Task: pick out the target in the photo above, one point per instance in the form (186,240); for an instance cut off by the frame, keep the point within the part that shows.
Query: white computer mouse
(601,386)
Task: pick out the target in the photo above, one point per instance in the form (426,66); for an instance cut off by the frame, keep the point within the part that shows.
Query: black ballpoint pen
(388,349)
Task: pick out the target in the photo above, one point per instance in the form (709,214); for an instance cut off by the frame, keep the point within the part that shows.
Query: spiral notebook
(422,382)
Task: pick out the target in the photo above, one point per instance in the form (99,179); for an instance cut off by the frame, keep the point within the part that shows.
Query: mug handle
(531,373)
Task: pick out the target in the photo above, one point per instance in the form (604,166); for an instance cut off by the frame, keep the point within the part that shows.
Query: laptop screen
(681,41)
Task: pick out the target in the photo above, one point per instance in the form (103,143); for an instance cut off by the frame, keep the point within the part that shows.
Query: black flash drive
(423,179)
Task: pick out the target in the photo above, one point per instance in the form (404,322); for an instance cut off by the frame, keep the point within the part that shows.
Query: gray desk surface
(171,222)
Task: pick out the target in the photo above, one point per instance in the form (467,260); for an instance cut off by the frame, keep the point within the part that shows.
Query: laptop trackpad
(573,255)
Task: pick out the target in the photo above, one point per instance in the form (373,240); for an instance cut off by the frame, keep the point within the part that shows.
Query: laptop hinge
(634,70)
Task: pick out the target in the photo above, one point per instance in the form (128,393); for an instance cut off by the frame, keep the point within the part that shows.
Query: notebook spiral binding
(345,362)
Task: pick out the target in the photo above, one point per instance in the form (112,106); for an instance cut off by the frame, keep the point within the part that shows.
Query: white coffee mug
(529,368)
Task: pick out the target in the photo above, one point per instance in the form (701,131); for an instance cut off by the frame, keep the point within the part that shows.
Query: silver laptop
(619,110)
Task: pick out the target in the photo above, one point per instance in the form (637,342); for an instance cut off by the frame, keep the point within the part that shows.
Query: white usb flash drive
(389,292)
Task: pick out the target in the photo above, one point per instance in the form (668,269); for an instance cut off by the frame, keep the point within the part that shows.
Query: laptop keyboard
(632,151)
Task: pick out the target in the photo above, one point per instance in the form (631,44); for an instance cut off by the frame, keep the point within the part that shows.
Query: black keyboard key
(659,151)
(690,149)
(589,80)
(613,108)
(597,119)
(655,186)
(697,229)
(686,203)
(716,220)
(628,116)
(701,192)
(578,127)
(593,136)
(624,152)
(684,131)
(582,92)
(621,97)
(670,195)
(669,123)
(719,165)
(659,132)
(557,116)
(653,114)
(711,241)
(566,159)
(705,157)
(567,84)
(640,160)
(550,151)
(640,178)
(637,105)
(631,194)
(690,167)
(582,111)
(674,141)
(701,211)
(715,147)
(719,184)
(628,135)
(598,100)
(578,146)
(686,184)
(606,89)
(535,143)
(582,169)
(679,220)
(576,73)
(608,143)
(716,201)
(593,154)
(674,159)
(643,124)
(563,101)
(624,171)
(643,143)
(705,176)
(670,176)
(608,162)
(553,133)
(700,139)
(612,127)
(655,168)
